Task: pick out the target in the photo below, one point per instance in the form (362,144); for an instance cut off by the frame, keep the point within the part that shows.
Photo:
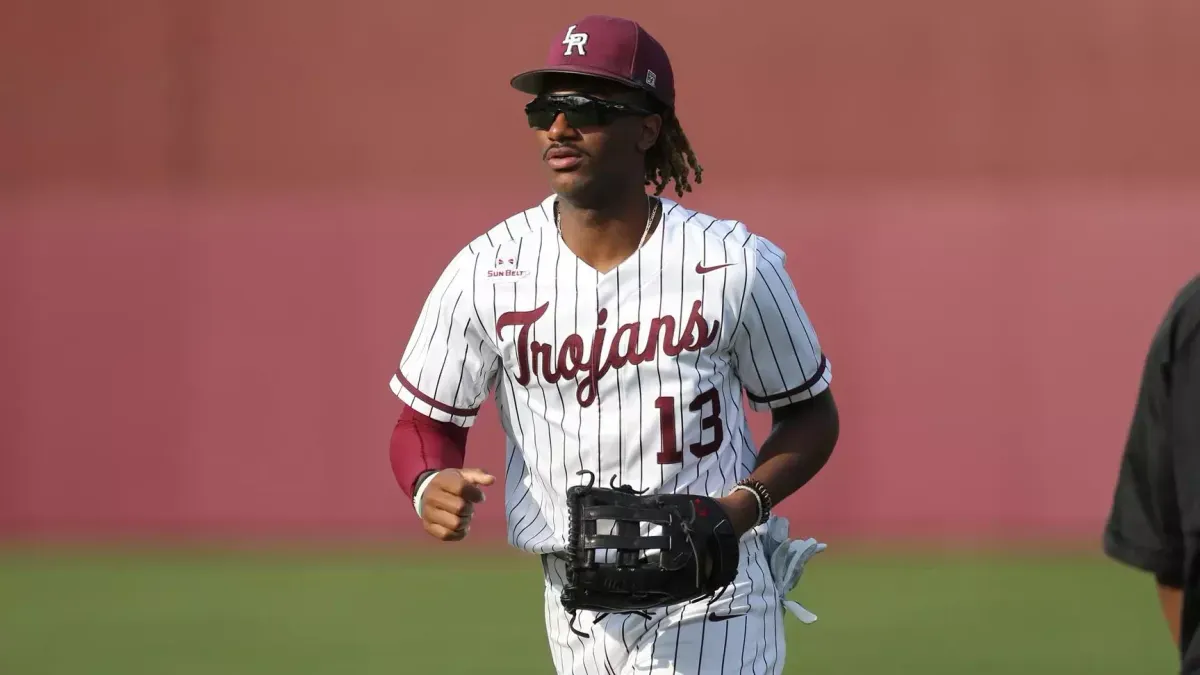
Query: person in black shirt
(1154,524)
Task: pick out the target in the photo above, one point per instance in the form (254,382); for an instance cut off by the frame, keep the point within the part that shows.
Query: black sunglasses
(580,110)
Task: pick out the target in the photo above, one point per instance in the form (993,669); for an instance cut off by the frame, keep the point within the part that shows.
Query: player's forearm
(1171,600)
(800,443)
(420,444)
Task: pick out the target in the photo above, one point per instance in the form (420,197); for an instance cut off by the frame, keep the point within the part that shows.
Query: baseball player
(619,330)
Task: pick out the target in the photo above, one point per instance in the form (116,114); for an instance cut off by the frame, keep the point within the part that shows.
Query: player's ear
(651,128)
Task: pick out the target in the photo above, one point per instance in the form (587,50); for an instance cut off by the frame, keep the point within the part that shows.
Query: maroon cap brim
(530,82)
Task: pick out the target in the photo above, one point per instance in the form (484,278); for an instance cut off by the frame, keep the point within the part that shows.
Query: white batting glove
(786,559)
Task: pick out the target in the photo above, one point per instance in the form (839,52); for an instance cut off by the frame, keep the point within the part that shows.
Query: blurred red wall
(218,220)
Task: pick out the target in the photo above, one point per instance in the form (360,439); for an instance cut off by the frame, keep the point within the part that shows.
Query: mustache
(563,146)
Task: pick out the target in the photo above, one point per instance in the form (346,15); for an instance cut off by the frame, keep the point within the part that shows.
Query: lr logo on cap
(576,41)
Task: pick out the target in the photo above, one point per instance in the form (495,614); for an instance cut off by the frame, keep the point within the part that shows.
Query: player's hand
(449,502)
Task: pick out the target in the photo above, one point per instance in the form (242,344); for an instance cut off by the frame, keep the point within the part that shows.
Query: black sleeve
(1143,525)
(1184,442)
(1144,528)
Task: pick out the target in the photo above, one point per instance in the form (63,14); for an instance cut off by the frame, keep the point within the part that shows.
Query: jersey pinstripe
(636,375)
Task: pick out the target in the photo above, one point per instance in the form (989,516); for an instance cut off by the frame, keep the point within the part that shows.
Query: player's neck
(604,237)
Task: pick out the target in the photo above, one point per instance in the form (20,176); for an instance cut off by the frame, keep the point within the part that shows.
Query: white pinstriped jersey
(636,374)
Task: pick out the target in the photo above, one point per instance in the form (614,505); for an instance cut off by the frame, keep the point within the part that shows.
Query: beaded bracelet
(761,495)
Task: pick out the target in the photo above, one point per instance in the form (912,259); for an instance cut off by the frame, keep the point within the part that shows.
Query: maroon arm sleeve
(421,444)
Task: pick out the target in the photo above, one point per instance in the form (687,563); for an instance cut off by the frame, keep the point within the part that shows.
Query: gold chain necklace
(654,204)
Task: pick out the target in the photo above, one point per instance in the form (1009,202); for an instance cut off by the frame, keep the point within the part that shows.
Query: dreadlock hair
(672,159)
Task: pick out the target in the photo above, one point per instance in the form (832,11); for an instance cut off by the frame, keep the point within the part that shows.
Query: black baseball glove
(697,551)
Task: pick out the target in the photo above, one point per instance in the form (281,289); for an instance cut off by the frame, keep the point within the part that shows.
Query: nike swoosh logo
(725,617)
(701,269)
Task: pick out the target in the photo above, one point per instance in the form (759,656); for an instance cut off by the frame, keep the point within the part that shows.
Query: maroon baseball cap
(609,47)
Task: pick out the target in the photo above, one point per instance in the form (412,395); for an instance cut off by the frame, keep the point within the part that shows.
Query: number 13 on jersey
(708,406)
